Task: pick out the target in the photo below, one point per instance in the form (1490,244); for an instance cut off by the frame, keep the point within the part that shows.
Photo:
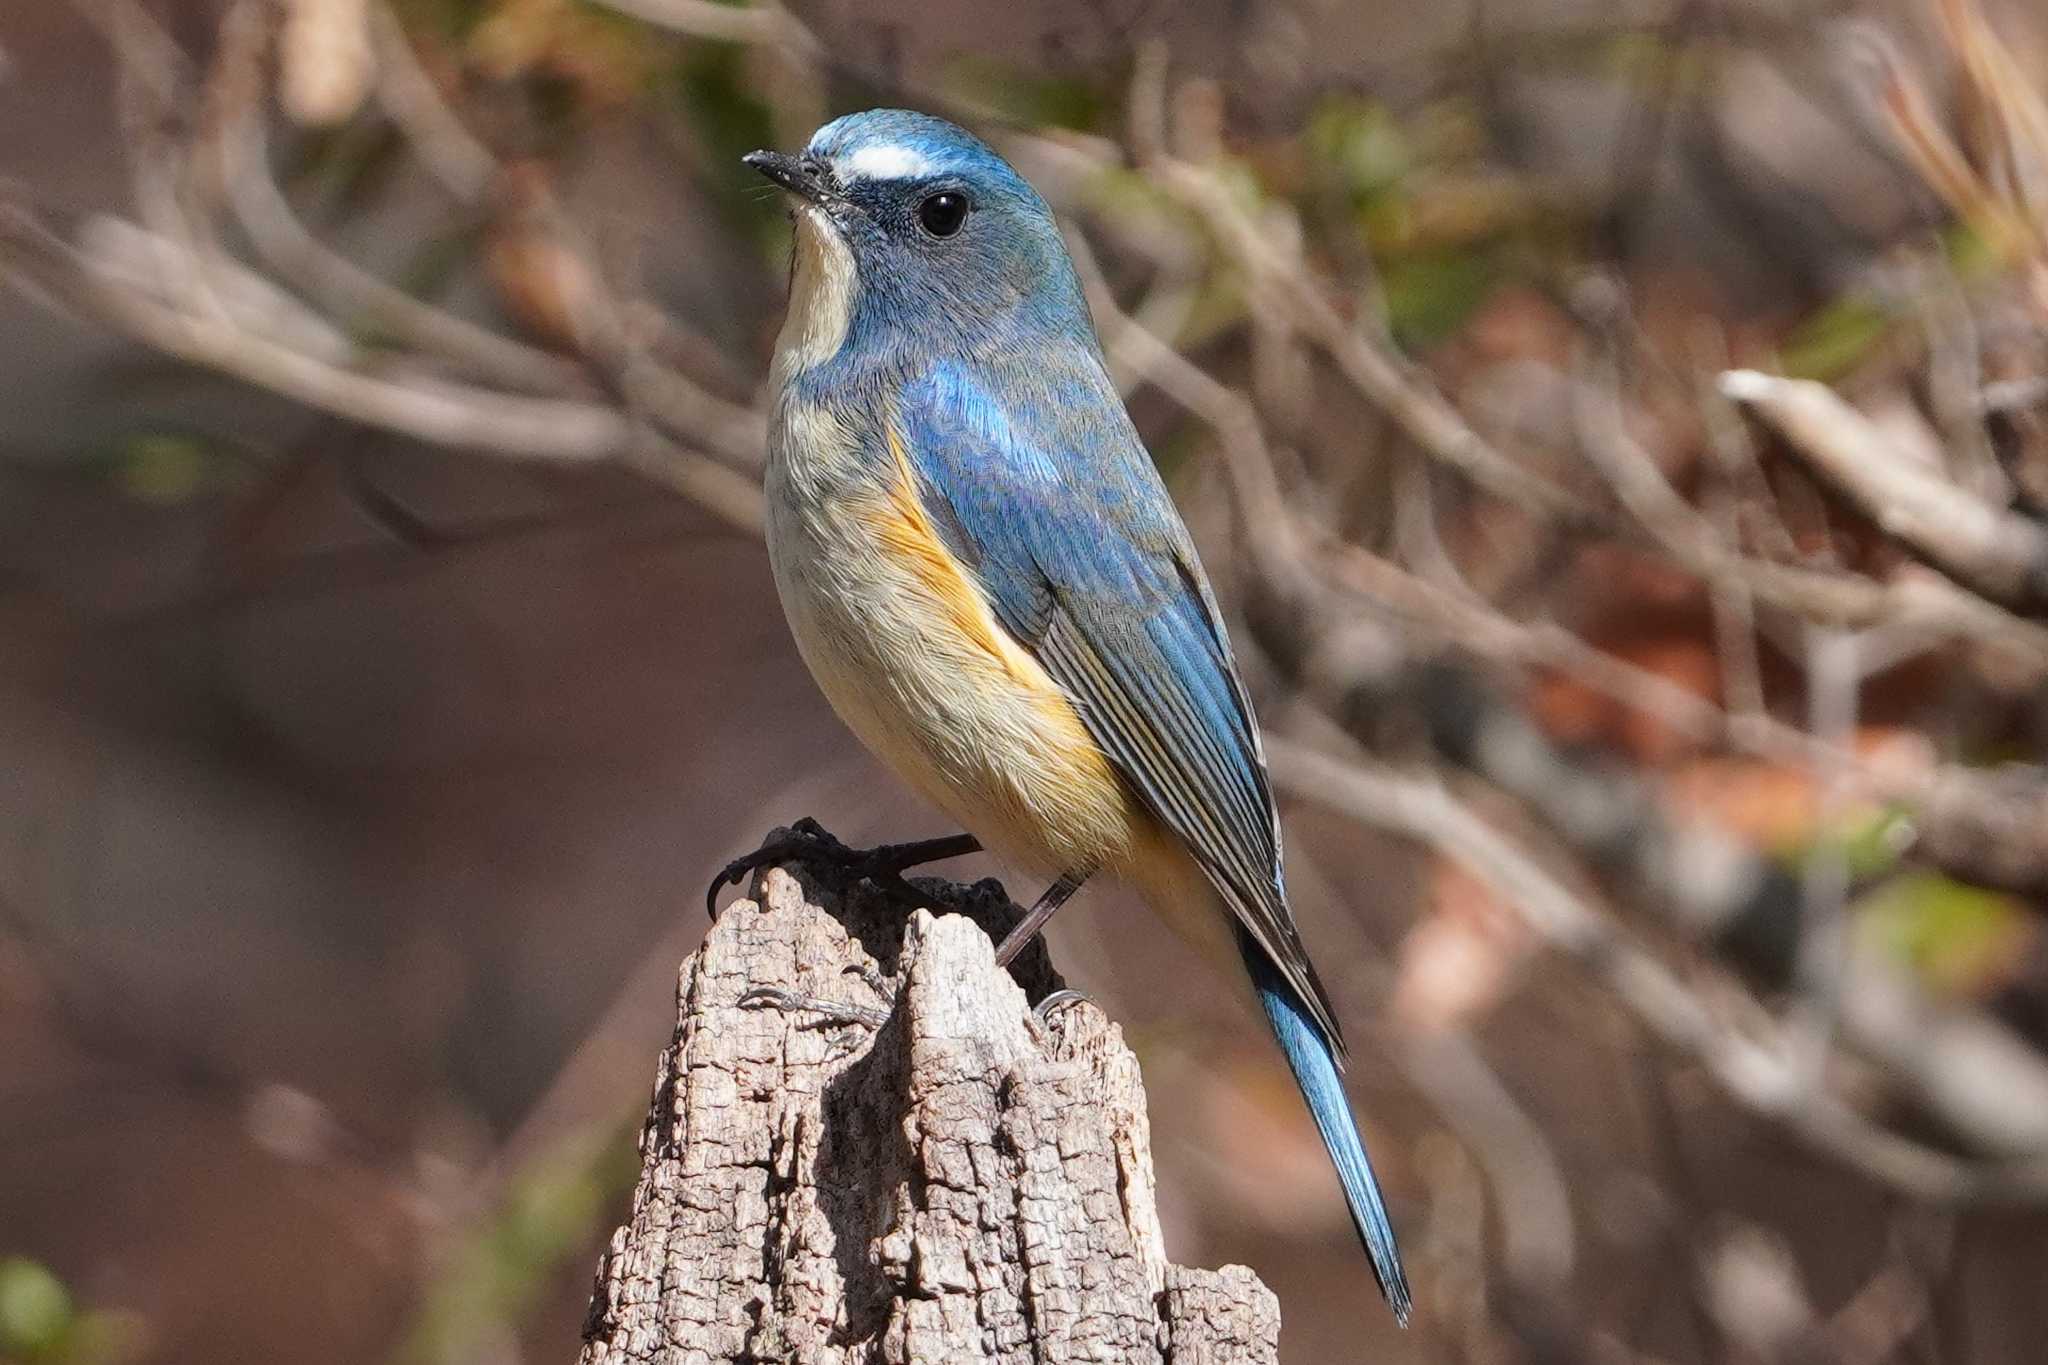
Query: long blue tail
(1314,1063)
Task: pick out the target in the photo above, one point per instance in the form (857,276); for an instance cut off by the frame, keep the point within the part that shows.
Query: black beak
(801,176)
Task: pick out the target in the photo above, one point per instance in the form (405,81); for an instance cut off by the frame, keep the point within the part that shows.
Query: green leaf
(1955,935)
(1429,295)
(1064,101)
(1359,145)
(1872,840)
(165,468)
(1836,338)
(548,1216)
(36,1313)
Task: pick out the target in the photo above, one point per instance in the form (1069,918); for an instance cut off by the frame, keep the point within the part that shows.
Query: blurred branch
(146,52)
(196,305)
(345,288)
(794,91)
(1388,383)
(432,410)
(1988,548)
(463,165)
(1760,1074)
(1838,663)
(2015,395)
(1988,1087)
(1963,816)
(603,326)
(1989,826)
(1897,1299)
(1704,879)
(1848,600)
(762,22)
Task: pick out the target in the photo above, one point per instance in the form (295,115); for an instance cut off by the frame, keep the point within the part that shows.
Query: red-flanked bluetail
(985,574)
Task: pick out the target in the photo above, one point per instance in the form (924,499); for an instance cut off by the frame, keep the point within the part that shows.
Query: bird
(987,578)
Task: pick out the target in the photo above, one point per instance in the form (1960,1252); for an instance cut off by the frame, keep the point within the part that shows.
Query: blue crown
(901,144)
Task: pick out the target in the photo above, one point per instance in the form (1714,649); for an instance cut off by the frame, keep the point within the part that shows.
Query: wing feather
(1066,526)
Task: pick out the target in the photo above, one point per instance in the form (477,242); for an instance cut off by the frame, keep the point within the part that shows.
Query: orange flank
(908,536)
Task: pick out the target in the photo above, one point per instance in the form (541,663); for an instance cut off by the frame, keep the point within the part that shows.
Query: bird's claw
(807,841)
(871,976)
(792,1002)
(810,842)
(1058,1000)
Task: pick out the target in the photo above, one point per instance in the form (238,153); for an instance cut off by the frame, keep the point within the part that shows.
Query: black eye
(943,213)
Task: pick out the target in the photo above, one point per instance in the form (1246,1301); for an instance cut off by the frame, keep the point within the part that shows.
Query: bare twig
(606,333)
(441,413)
(1847,600)
(462,164)
(1758,1074)
(766,24)
(1388,382)
(1734,606)
(1382,377)
(1987,547)
(2015,395)
(684,409)
(1987,826)
(1835,673)
(1882,1315)
(354,293)
(432,410)
(1971,818)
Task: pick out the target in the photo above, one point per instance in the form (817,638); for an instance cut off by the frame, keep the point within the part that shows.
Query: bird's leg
(808,842)
(1056,895)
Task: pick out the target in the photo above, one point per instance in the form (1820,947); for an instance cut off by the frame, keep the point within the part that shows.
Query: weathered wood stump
(931,1174)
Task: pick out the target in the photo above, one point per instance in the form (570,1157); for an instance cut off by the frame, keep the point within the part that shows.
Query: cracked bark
(963,1184)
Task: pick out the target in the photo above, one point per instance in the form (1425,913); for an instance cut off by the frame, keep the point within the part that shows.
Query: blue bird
(987,578)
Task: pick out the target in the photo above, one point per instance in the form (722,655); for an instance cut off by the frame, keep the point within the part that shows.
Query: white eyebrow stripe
(885,163)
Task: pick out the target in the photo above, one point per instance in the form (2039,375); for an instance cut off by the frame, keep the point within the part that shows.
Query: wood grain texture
(950,1181)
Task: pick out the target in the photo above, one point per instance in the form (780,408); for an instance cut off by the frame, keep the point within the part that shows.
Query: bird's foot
(1057,1001)
(827,1011)
(810,842)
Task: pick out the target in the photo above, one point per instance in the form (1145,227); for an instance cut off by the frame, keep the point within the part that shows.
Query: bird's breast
(907,649)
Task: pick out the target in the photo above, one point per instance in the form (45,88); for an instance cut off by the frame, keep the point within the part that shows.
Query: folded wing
(1049,499)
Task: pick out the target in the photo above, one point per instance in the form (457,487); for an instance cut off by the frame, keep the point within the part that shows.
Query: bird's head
(911,227)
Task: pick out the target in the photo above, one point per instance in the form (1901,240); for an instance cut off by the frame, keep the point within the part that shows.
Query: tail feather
(1313,1059)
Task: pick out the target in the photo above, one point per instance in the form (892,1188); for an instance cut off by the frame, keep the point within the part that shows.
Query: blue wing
(1050,500)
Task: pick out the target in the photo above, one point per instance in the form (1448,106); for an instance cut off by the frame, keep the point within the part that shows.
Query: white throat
(822,286)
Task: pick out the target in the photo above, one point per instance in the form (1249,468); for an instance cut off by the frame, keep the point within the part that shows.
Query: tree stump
(929,1173)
